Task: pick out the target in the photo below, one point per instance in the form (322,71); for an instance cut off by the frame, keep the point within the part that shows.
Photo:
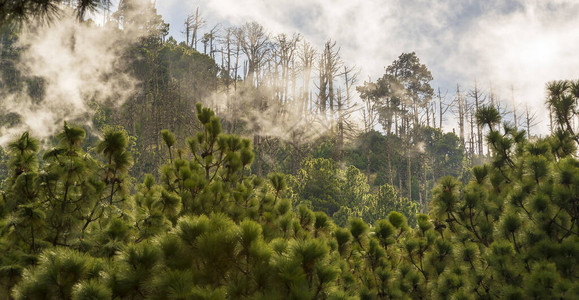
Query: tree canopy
(76,226)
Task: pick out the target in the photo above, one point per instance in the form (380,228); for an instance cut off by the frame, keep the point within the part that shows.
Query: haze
(504,44)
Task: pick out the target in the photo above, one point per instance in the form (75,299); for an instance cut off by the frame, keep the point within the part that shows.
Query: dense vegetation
(160,199)
(72,228)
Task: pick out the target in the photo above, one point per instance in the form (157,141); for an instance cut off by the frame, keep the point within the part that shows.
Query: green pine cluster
(74,225)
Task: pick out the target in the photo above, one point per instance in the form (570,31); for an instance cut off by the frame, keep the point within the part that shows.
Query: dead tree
(329,67)
(461,113)
(306,55)
(286,49)
(479,101)
(514,107)
(530,120)
(345,107)
(208,39)
(254,42)
(193,24)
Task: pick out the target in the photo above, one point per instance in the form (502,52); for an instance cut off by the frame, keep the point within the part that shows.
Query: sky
(513,46)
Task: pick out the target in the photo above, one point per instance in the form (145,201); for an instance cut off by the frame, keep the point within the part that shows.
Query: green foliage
(380,203)
(319,181)
(345,193)
(60,272)
(384,159)
(74,227)
(14,14)
(488,116)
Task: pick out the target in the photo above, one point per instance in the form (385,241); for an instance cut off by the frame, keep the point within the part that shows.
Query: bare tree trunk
(409,184)
(460,114)
(258,160)
(478,99)
(391,179)
(344,107)
(322,96)
(551,120)
(330,79)
(306,56)
(514,107)
(434,114)
(530,120)
(440,109)
(420,186)
(424,206)
(340,125)
(472,137)
(368,152)
(396,123)
(198,22)
(237,50)
(528,123)
(428,115)
(188,24)
(399,187)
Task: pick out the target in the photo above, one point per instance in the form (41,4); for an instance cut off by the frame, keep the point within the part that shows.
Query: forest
(246,165)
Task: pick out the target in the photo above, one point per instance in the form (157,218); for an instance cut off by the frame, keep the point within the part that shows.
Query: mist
(513,46)
(287,122)
(79,64)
